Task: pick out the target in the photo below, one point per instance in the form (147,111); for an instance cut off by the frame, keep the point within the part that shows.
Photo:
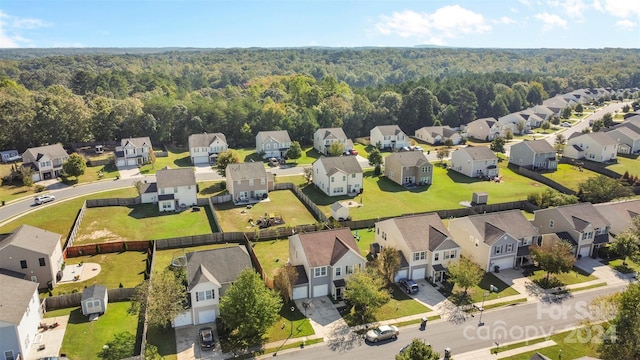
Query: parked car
(382,332)
(273,162)
(41,199)
(205,336)
(353,152)
(566,124)
(409,286)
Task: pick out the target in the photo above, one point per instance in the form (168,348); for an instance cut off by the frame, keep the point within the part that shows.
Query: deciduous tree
(418,350)
(497,145)
(75,166)
(365,289)
(162,298)
(624,341)
(388,263)
(284,280)
(465,273)
(226,158)
(295,151)
(336,149)
(554,257)
(626,245)
(122,346)
(601,188)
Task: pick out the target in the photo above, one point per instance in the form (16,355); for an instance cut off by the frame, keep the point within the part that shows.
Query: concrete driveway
(129,172)
(188,348)
(323,315)
(204,169)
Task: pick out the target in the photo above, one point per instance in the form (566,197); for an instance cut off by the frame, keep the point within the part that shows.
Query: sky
(332,23)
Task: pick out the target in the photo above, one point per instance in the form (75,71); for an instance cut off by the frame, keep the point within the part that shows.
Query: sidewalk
(488,353)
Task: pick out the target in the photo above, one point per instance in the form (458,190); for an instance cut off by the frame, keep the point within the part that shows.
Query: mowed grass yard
(84,339)
(282,203)
(272,254)
(570,176)
(141,222)
(58,216)
(125,268)
(624,164)
(178,158)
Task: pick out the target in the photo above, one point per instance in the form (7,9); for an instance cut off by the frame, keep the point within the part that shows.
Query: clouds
(551,21)
(448,22)
(13,27)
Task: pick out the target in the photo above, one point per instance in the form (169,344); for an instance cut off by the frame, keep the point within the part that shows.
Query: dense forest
(74,95)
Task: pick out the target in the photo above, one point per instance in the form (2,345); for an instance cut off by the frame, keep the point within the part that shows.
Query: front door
(339,293)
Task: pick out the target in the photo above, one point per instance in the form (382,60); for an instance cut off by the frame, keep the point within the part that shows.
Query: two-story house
(423,240)
(46,161)
(436,135)
(248,182)
(498,240)
(273,144)
(599,147)
(133,151)
(475,161)
(536,155)
(20,317)
(485,129)
(209,275)
(204,148)
(515,122)
(323,138)
(174,189)
(408,168)
(620,214)
(586,226)
(33,253)
(389,137)
(325,259)
(557,103)
(339,175)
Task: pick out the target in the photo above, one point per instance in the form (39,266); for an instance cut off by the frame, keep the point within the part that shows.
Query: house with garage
(514,122)
(475,161)
(33,253)
(174,189)
(436,135)
(324,260)
(45,161)
(557,103)
(389,137)
(209,275)
(598,147)
(628,137)
(424,243)
(248,182)
(323,138)
(9,156)
(495,241)
(408,168)
(337,175)
(485,129)
(620,214)
(133,151)
(273,144)
(540,111)
(535,155)
(20,318)
(94,300)
(204,148)
(587,228)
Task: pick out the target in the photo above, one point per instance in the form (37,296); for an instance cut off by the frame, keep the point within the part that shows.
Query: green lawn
(59,216)
(162,258)
(282,329)
(624,164)
(165,341)
(399,306)
(141,222)
(211,188)
(476,293)
(126,268)
(366,239)
(625,269)
(569,176)
(575,276)
(272,254)
(568,342)
(283,203)
(178,158)
(84,339)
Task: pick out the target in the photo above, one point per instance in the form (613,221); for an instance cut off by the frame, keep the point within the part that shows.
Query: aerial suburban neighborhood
(243,240)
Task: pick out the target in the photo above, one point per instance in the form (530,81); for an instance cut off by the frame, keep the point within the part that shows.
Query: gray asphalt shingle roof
(204,140)
(32,238)
(220,266)
(511,222)
(14,303)
(347,164)
(246,171)
(175,177)
(323,248)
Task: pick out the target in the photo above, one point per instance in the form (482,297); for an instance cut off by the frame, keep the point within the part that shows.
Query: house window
(23,264)
(332,179)
(348,269)
(166,205)
(8,355)
(175,189)
(449,254)
(421,255)
(353,176)
(436,256)
(338,271)
(204,295)
(426,169)
(587,236)
(42,262)
(384,235)
(551,223)
(378,231)
(498,250)
(509,248)
(344,178)
(34,278)
(320,271)
(338,190)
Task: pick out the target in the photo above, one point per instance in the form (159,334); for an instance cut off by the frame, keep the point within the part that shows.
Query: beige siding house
(46,161)
(248,182)
(323,138)
(273,144)
(535,154)
(408,168)
(204,148)
(389,137)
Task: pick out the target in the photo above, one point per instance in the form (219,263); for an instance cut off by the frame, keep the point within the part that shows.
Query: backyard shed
(94,300)
(479,198)
(339,211)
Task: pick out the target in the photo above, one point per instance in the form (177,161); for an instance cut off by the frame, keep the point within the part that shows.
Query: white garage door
(132,162)
(320,290)
(506,263)
(206,316)
(200,159)
(120,162)
(585,251)
(300,292)
(182,319)
(418,274)
(402,274)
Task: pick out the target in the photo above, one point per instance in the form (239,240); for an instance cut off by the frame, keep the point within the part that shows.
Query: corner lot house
(273,144)
(475,161)
(323,138)
(599,147)
(389,137)
(204,148)
(587,228)
(46,161)
(339,175)
(324,260)
(248,182)
(133,151)
(436,135)
(423,241)
(209,275)
(33,253)
(408,168)
(496,240)
(536,155)
(19,317)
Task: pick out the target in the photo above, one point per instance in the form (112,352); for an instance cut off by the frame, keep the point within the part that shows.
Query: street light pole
(292,311)
(484,296)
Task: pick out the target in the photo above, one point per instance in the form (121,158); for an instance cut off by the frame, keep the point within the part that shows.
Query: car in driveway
(381,333)
(566,124)
(409,286)
(273,162)
(205,337)
(41,199)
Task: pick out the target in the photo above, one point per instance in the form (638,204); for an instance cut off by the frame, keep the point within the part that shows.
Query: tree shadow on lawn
(386,185)
(253,157)
(312,153)
(182,162)
(458,178)
(320,198)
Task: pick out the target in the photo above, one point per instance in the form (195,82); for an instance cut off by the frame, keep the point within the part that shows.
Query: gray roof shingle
(204,140)
(323,248)
(54,151)
(246,171)
(511,222)
(221,266)
(32,238)
(408,158)
(175,177)
(14,303)
(348,164)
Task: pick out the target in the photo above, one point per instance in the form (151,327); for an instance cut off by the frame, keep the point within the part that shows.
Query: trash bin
(447,353)
(2,202)
(423,323)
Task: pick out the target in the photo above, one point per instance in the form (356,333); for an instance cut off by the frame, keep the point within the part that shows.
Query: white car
(41,199)
(566,124)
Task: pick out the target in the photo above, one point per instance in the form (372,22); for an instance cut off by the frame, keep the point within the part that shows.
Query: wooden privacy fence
(110,247)
(73,300)
(311,206)
(92,203)
(545,180)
